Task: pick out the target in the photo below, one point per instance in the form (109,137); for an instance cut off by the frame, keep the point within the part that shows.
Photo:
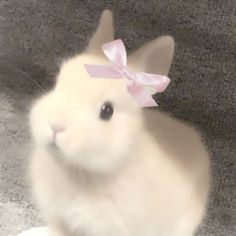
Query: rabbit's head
(95,123)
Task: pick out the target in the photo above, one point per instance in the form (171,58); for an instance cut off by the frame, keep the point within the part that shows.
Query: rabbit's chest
(116,207)
(135,203)
(120,210)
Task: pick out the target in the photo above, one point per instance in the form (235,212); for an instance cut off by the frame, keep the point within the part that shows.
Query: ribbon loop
(116,53)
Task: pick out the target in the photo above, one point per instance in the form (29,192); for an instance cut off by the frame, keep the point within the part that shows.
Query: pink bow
(116,53)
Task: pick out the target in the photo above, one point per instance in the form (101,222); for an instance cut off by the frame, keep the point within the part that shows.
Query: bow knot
(116,53)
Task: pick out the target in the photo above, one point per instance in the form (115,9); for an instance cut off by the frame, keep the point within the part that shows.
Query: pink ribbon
(116,53)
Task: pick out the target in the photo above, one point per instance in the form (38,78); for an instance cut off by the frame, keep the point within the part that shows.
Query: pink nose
(56,128)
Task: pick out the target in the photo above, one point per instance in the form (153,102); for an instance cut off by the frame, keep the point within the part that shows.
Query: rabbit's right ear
(103,34)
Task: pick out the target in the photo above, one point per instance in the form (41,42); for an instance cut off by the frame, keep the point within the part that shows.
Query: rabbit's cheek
(45,137)
(42,134)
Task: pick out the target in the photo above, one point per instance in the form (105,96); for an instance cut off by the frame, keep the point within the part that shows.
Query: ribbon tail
(141,96)
(103,71)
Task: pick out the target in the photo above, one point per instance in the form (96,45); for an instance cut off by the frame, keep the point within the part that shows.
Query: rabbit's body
(155,193)
(137,174)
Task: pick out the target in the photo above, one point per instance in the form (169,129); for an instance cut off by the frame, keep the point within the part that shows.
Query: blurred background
(36,35)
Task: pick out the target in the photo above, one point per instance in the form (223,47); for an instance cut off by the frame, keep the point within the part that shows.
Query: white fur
(142,173)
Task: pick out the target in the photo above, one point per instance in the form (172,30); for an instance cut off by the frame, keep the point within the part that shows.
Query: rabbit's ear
(154,57)
(103,34)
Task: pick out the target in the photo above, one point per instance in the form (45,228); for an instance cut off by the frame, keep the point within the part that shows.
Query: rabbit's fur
(142,173)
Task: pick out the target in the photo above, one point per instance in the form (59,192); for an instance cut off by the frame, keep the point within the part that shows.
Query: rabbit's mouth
(53,147)
(52,143)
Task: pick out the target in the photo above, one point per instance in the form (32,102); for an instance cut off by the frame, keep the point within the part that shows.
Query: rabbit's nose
(57,128)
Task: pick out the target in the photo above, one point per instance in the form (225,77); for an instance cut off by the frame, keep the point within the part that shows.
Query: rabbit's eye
(106,111)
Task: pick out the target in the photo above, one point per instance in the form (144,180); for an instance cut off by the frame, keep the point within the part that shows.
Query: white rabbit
(118,171)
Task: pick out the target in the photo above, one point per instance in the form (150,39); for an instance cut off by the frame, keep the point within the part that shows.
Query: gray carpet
(36,35)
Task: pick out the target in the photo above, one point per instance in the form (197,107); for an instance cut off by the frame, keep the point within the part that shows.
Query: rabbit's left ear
(154,57)
(103,34)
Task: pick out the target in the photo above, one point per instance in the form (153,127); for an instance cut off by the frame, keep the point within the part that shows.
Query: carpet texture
(36,35)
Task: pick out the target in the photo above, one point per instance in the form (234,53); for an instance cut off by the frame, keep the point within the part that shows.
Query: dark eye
(106,111)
